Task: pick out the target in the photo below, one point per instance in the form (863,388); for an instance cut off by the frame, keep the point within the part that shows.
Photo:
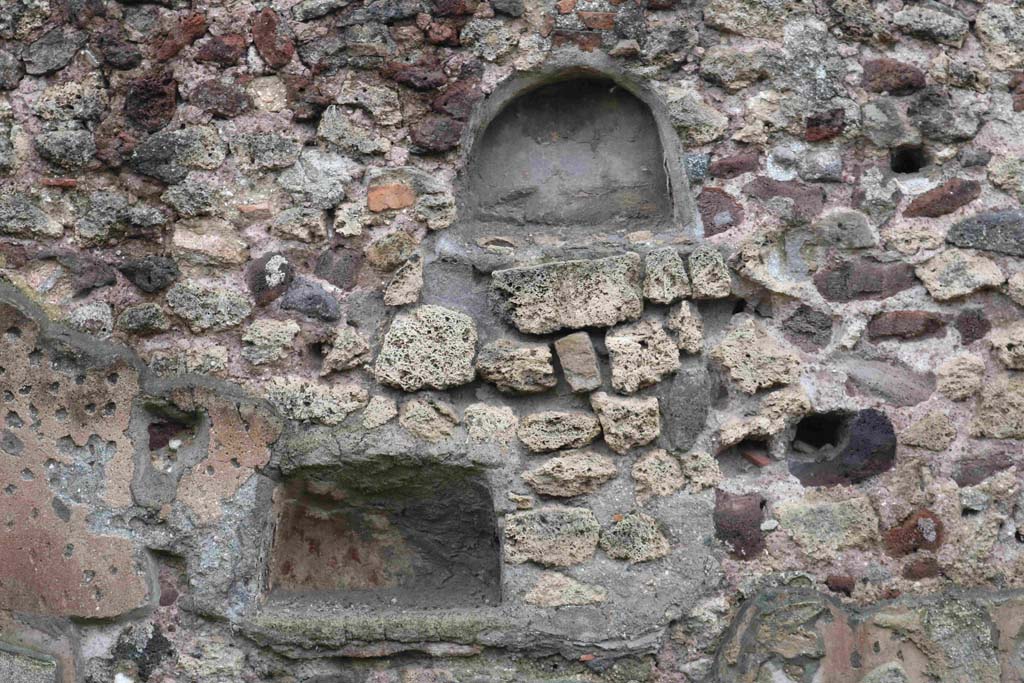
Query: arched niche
(572,149)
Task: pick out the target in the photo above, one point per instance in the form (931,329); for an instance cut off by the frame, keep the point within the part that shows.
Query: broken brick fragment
(944,199)
(271,38)
(920,531)
(738,520)
(150,101)
(825,126)
(189,29)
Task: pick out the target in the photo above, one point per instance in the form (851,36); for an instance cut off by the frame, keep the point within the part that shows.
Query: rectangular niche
(382,533)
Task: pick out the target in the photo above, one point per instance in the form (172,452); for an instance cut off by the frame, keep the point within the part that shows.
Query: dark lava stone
(150,101)
(340,266)
(268,284)
(809,327)
(860,278)
(972,325)
(311,299)
(718,211)
(151,273)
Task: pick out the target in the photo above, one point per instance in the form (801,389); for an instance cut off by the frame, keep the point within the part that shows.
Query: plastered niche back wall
(510,341)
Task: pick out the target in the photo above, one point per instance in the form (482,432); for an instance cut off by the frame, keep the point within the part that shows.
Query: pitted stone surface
(516,369)
(570,294)
(641,354)
(754,360)
(572,474)
(551,536)
(553,430)
(956,273)
(220,231)
(627,422)
(430,346)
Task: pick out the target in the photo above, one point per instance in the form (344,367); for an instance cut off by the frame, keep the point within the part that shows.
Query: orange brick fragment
(387,197)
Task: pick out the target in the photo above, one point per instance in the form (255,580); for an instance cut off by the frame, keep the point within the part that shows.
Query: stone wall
(435,341)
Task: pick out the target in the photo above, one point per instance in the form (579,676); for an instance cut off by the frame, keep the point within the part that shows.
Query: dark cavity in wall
(908,158)
(383,533)
(582,151)
(835,448)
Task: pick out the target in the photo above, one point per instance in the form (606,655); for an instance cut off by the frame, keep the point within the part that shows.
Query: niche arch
(575,147)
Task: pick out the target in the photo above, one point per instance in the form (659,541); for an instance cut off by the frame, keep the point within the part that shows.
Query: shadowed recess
(422,536)
(582,151)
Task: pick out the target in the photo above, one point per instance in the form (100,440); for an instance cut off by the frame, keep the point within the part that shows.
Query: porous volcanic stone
(516,369)
(709,276)
(627,422)
(551,536)
(570,294)
(665,278)
(1000,231)
(999,413)
(429,418)
(572,474)
(960,377)
(754,359)
(205,307)
(955,273)
(824,528)
(635,537)
(1008,345)
(552,430)
(657,474)
(641,353)
(685,321)
(430,346)
(935,432)
(306,401)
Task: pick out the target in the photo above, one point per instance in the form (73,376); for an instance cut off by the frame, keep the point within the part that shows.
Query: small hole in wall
(907,159)
(818,430)
(746,456)
(834,448)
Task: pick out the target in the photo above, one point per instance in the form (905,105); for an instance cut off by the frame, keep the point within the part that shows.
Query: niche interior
(578,151)
(381,533)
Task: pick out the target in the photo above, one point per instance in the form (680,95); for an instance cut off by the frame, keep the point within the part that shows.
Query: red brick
(825,126)
(598,21)
(921,531)
(587,41)
(944,199)
(271,38)
(738,520)
(905,324)
(388,197)
(892,76)
(735,165)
